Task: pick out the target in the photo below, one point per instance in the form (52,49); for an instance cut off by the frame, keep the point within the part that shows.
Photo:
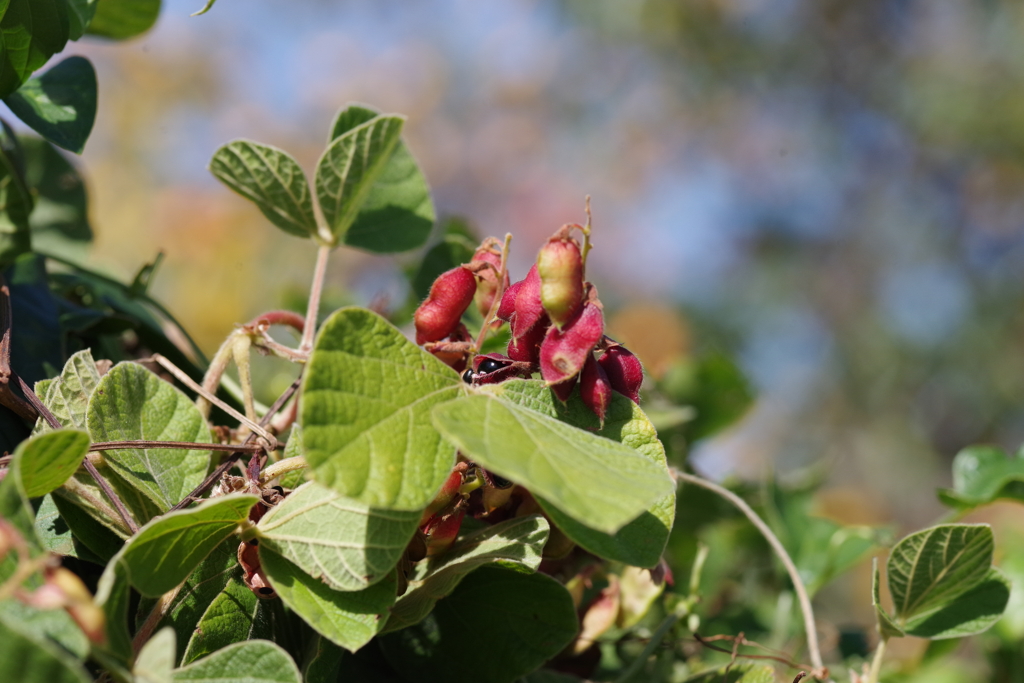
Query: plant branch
(211,380)
(876,661)
(177,445)
(496,303)
(810,627)
(319,272)
(282,467)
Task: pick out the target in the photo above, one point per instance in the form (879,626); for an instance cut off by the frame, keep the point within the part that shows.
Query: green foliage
(255,661)
(48,460)
(123,19)
(60,105)
(366,398)
(32,31)
(28,658)
(983,474)
(15,199)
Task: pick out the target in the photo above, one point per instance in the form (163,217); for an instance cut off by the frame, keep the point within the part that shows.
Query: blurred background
(830,193)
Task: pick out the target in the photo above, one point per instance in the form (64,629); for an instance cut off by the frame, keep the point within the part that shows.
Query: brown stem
(319,272)
(176,445)
(8,397)
(496,303)
(289,318)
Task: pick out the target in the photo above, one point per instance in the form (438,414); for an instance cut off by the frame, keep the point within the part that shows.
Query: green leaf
(48,460)
(271,179)
(983,474)
(971,612)
(31,31)
(65,531)
(499,624)
(350,168)
(345,542)
(366,398)
(156,658)
(519,541)
(113,597)
(255,661)
(27,658)
(741,673)
(122,19)
(131,403)
(398,212)
(80,13)
(887,628)
(53,624)
(349,619)
(67,396)
(15,199)
(931,567)
(293,449)
(450,252)
(639,543)
(322,661)
(164,552)
(588,477)
(60,105)
(714,387)
(232,617)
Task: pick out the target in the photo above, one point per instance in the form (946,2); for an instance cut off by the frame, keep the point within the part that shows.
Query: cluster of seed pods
(555,318)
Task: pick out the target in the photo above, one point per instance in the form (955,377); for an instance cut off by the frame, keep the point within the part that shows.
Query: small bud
(529,309)
(508,301)
(564,352)
(625,374)
(525,348)
(595,389)
(560,268)
(487,286)
(449,297)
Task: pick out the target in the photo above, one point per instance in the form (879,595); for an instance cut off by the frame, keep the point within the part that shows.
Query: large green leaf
(499,624)
(113,596)
(519,541)
(973,611)
(398,213)
(255,661)
(235,615)
(48,460)
(60,219)
(66,531)
(887,628)
(15,198)
(67,396)
(343,541)
(31,31)
(594,480)
(322,661)
(80,13)
(366,398)
(122,19)
(641,542)
(27,658)
(164,552)
(271,179)
(931,567)
(351,166)
(982,474)
(131,403)
(60,104)
(156,658)
(348,618)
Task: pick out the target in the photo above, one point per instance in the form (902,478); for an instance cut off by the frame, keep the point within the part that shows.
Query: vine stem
(876,662)
(319,272)
(810,627)
(500,292)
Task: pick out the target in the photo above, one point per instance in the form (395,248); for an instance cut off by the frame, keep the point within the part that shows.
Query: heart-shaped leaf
(345,542)
(366,398)
(602,483)
(350,168)
(122,19)
(398,213)
(67,396)
(348,618)
(518,541)
(971,612)
(254,661)
(131,403)
(271,179)
(60,104)
(641,542)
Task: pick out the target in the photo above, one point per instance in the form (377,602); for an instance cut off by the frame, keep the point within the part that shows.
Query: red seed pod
(487,286)
(442,530)
(529,309)
(508,301)
(563,390)
(449,297)
(595,389)
(560,268)
(449,489)
(624,371)
(526,348)
(564,352)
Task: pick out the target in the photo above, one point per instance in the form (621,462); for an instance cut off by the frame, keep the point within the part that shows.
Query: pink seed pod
(529,309)
(595,389)
(449,297)
(563,390)
(560,268)
(508,301)
(624,371)
(487,285)
(564,352)
(526,348)
(442,530)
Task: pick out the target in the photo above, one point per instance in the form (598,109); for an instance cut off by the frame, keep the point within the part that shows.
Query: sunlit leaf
(60,104)
(983,474)
(156,658)
(343,541)
(46,461)
(519,541)
(255,661)
(122,19)
(80,13)
(271,179)
(67,396)
(973,611)
(366,398)
(28,658)
(131,403)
